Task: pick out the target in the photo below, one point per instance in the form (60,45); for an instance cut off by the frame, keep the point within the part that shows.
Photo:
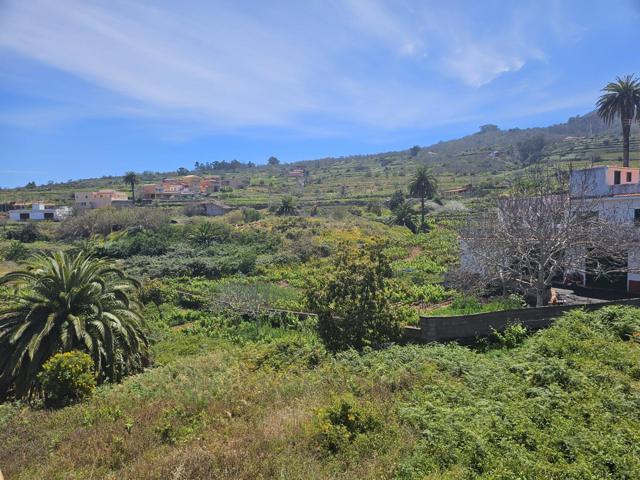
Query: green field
(240,379)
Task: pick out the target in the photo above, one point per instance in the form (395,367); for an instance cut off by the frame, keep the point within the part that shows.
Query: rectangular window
(636,216)
(24,216)
(616,177)
(48,215)
(628,176)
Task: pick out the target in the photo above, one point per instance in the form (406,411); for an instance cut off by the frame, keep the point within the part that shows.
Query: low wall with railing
(467,328)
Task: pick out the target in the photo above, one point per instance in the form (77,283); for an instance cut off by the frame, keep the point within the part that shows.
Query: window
(48,215)
(628,176)
(636,216)
(24,216)
(616,177)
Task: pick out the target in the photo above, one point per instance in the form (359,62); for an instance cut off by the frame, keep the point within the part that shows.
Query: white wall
(59,213)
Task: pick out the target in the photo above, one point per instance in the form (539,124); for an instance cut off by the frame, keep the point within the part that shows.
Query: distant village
(188,188)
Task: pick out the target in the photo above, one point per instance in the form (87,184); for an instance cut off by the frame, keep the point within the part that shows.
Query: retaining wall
(467,328)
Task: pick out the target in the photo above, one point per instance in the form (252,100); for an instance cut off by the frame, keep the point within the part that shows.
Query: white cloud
(477,66)
(302,65)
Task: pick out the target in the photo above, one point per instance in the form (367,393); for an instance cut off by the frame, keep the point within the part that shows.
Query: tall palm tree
(69,302)
(403,215)
(621,99)
(424,185)
(132,179)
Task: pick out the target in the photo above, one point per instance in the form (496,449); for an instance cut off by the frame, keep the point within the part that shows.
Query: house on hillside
(210,184)
(183,188)
(618,192)
(40,211)
(464,191)
(612,193)
(101,198)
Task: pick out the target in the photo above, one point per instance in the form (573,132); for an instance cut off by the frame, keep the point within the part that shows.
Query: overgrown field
(242,382)
(238,401)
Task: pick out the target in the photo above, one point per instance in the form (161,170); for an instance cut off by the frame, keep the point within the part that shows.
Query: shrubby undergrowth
(249,399)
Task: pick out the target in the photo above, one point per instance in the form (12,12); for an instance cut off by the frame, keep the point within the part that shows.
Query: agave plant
(69,302)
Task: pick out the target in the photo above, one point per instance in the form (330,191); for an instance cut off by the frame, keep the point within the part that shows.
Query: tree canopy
(424,185)
(621,99)
(69,302)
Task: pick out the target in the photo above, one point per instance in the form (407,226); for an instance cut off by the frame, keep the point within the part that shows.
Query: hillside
(481,159)
(241,380)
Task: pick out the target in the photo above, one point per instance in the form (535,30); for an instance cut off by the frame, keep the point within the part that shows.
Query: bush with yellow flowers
(67,378)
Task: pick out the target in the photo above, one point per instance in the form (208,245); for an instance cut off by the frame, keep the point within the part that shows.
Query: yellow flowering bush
(66,378)
(341,423)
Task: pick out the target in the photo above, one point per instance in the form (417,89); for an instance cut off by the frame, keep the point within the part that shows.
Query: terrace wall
(467,328)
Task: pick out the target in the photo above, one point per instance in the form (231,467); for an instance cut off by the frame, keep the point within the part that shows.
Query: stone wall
(467,328)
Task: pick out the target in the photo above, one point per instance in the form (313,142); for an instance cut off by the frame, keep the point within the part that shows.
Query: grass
(562,405)
(237,399)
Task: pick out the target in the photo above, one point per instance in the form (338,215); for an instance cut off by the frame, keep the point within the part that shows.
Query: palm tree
(424,185)
(69,302)
(287,207)
(403,215)
(132,178)
(621,99)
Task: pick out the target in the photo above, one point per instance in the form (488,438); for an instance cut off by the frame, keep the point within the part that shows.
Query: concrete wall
(466,328)
(590,182)
(600,181)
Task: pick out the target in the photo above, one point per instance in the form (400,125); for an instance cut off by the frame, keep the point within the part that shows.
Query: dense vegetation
(242,386)
(235,402)
(153,342)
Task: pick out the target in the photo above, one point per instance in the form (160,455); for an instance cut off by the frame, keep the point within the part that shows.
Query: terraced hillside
(482,159)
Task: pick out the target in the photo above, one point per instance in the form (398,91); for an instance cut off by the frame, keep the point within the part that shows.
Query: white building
(40,211)
(610,192)
(617,190)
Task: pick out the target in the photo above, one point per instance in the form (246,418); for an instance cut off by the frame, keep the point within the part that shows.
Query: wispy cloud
(383,64)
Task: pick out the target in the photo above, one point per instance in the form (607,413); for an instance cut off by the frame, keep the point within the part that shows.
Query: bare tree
(539,232)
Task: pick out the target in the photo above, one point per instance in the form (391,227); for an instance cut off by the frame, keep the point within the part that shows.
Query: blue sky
(97,88)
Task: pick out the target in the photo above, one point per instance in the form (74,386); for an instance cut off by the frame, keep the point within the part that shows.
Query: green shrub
(352,301)
(15,251)
(341,423)
(177,316)
(156,292)
(106,220)
(288,352)
(623,322)
(28,233)
(512,336)
(208,233)
(139,243)
(250,215)
(66,378)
